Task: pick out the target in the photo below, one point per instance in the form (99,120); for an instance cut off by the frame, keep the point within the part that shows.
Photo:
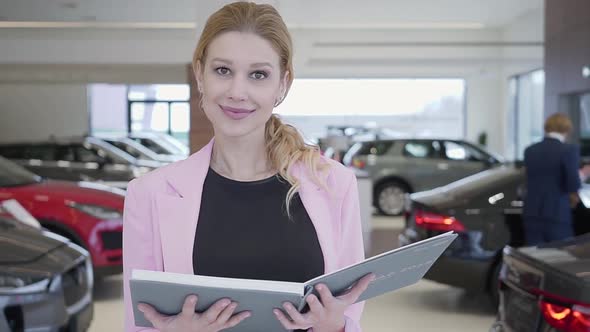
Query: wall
(37,111)
(567,50)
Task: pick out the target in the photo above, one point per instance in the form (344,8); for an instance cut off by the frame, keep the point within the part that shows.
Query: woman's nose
(237,89)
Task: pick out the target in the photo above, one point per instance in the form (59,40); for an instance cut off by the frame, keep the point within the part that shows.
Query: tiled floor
(426,306)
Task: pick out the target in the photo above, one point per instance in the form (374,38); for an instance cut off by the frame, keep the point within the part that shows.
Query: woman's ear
(284,84)
(198,71)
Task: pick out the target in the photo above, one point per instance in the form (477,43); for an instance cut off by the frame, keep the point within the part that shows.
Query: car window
(456,151)
(422,149)
(41,152)
(66,153)
(12,152)
(375,148)
(79,153)
(152,146)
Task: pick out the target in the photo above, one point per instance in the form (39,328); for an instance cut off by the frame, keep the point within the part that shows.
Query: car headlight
(22,285)
(96,211)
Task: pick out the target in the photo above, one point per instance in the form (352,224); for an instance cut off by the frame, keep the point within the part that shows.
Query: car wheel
(390,198)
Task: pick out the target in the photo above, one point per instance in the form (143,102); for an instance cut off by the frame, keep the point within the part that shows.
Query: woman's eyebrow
(256,64)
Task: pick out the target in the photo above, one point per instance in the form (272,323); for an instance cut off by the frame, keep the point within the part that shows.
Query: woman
(256,202)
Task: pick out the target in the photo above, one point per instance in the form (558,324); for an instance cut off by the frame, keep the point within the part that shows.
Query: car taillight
(567,318)
(357,163)
(437,222)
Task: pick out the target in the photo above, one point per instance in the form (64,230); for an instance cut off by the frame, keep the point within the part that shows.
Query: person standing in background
(553,181)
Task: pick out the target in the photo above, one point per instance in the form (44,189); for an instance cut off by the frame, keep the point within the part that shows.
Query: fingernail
(225,303)
(193,299)
(319,287)
(276,312)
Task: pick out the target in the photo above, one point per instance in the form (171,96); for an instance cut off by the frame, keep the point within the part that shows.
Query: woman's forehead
(242,48)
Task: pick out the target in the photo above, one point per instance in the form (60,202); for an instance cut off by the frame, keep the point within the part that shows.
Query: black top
(244,232)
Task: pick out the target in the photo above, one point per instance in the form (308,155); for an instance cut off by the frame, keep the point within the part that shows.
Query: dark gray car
(78,159)
(45,281)
(401,166)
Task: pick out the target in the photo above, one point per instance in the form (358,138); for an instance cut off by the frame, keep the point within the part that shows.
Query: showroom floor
(426,306)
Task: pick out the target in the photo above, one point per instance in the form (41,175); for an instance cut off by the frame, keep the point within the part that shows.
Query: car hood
(437,198)
(21,245)
(461,192)
(570,256)
(81,192)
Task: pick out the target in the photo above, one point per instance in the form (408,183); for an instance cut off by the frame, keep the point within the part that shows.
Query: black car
(45,281)
(485,209)
(78,159)
(546,288)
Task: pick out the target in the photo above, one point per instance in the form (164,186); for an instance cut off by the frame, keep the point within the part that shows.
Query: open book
(393,269)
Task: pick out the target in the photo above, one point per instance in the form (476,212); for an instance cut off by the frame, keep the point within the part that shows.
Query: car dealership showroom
(434,153)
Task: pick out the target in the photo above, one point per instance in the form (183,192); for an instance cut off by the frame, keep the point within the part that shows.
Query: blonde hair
(558,123)
(284,145)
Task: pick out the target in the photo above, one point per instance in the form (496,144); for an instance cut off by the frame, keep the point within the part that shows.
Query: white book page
(219,282)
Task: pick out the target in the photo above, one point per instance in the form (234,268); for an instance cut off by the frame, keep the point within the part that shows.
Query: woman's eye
(259,75)
(222,70)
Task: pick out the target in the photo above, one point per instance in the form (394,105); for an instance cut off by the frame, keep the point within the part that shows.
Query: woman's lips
(236,113)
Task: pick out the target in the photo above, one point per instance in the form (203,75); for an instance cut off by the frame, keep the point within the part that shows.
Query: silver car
(401,166)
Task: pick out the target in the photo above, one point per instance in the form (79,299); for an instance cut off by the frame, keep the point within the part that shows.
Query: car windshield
(127,148)
(12,174)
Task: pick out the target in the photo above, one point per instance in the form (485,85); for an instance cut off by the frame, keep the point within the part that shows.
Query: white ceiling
(297,13)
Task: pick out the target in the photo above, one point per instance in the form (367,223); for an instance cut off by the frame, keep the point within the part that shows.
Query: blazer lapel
(317,203)
(178,211)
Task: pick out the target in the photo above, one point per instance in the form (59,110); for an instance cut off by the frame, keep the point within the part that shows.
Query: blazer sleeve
(570,165)
(138,245)
(351,242)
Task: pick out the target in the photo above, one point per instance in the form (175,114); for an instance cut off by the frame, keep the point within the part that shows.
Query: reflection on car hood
(570,256)
(21,245)
(438,197)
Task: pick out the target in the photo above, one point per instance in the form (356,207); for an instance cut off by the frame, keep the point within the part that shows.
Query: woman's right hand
(218,317)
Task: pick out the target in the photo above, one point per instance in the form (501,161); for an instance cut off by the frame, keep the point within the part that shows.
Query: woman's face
(240,81)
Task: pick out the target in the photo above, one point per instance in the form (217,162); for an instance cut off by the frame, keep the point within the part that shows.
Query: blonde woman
(256,202)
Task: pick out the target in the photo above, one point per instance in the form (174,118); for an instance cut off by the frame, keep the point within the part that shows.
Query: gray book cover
(394,269)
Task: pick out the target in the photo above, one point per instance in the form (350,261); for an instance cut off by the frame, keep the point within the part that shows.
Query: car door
(422,164)
(462,160)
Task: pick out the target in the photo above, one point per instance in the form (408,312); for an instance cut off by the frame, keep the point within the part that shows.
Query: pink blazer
(162,210)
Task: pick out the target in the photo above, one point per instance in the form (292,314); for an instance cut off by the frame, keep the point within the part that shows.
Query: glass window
(459,151)
(422,149)
(41,152)
(12,152)
(375,148)
(529,104)
(402,105)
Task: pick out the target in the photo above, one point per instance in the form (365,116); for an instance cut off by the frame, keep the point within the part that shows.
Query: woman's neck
(241,158)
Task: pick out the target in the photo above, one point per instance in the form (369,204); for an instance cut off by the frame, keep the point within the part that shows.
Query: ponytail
(285,147)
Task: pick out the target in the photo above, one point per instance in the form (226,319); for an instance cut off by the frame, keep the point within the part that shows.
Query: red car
(90,215)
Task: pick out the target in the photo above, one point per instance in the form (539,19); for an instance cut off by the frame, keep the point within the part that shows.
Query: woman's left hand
(326,315)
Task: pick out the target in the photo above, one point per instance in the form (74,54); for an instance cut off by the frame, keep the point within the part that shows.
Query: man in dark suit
(552,183)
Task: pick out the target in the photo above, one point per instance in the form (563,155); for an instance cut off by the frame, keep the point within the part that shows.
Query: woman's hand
(218,317)
(326,315)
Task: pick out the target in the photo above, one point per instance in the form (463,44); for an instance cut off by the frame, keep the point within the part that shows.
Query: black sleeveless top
(243,232)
